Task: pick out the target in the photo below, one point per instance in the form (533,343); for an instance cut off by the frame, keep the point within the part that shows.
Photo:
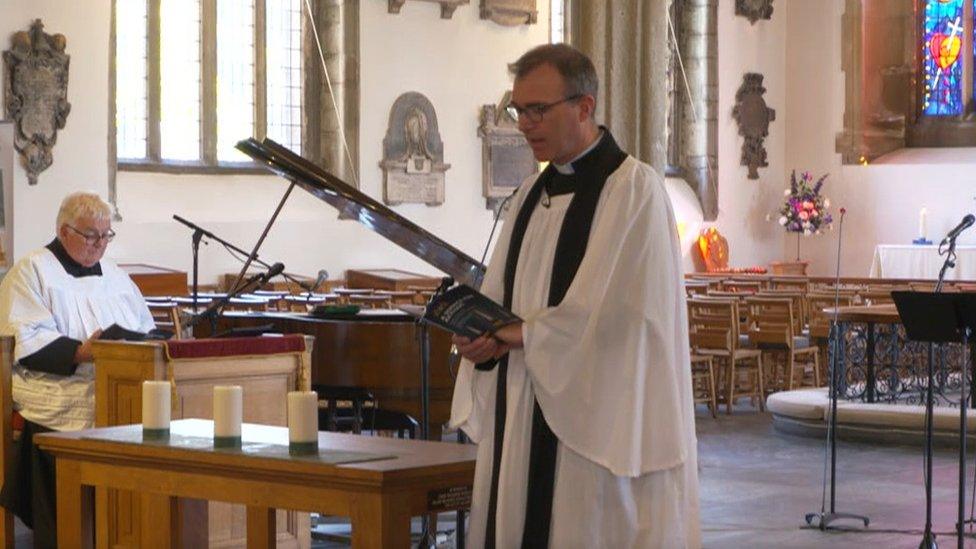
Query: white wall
(745,203)
(882,199)
(459,64)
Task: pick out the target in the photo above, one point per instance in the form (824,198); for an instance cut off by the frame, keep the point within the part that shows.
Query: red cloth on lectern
(235,346)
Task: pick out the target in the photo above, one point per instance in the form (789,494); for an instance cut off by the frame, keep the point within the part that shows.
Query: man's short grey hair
(82,204)
(579,75)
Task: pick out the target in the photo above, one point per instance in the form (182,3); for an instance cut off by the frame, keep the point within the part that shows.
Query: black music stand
(940,318)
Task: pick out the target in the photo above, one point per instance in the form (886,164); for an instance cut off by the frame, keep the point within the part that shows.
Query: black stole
(591,173)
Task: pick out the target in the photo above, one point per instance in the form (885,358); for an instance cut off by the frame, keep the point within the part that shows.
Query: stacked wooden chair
(715,327)
(791,359)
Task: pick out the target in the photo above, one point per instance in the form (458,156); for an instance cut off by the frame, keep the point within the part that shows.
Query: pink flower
(807,205)
(803,215)
(814,213)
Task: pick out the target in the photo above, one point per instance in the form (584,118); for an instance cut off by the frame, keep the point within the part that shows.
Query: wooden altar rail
(767,278)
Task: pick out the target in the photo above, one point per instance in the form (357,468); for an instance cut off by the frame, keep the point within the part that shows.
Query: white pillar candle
(155,407)
(922,223)
(303,422)
(228,412)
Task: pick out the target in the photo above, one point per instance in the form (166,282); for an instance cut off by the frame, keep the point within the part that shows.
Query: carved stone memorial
(413,154)
(754,10)
(447,6)
(506,158)
(36,91)
(753,116)
(510,13)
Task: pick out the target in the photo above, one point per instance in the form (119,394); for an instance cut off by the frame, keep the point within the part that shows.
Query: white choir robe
(610,368)
(40,302)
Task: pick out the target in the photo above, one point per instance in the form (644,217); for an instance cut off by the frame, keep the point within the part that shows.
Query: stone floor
(757,484)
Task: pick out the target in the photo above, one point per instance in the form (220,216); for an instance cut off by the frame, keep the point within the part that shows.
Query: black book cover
(116,333)
(465,312)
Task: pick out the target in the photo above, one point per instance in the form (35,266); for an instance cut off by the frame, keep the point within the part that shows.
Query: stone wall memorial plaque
(447,6)
(413,154)
(510,13)
(754,10)
(753,116)
(506,158)
(36,92)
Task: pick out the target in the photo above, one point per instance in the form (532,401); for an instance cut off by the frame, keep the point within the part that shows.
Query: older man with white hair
(55,302)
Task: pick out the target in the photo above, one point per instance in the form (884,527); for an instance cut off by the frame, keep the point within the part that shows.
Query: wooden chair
(695,287)
(7,435)
(397,297)
(166,315)
(715,333)
(742,286)
(800,313)
(772,332)
(703,382)
(371,301)
(800,284)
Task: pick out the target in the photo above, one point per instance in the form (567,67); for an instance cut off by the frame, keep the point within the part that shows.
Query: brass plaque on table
(449,499)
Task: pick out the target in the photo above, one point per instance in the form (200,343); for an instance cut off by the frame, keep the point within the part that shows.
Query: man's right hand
(84,352)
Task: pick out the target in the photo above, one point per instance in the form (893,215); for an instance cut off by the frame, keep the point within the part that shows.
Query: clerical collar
(71,266)
(563,179)
(567,168)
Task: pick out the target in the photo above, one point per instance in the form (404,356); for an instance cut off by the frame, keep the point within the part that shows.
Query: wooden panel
(388,279)
(120,369)
(156,281)
(382,356)
(6,434)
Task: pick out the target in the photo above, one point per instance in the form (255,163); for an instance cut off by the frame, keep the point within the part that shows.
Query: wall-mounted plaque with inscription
(413,153)
(506,158)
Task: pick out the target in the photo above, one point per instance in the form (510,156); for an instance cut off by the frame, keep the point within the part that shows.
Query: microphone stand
(834,342)
(199,232)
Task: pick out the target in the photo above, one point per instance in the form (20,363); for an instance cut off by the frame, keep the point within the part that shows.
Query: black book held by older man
(466,312)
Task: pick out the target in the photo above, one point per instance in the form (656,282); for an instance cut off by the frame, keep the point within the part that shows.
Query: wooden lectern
(266,367)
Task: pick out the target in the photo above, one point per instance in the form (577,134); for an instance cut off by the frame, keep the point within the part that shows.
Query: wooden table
(411,478)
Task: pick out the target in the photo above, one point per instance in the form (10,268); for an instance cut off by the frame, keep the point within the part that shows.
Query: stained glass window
(943,27)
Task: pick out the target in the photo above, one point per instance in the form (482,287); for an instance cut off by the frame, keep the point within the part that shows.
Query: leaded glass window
(947,57)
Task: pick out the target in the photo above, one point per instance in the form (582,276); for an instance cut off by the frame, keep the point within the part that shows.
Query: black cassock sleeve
(57,357)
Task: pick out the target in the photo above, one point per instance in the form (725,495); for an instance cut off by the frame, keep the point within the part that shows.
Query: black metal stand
(940,318)
(198,234)
(826,517)
(195,246)
(836,345)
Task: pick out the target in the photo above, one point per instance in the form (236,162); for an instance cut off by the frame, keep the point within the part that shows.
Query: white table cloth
(921,262)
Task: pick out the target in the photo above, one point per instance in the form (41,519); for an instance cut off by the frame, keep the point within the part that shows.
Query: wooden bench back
(6,434)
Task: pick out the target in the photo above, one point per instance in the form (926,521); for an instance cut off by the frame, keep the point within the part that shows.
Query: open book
(466,312)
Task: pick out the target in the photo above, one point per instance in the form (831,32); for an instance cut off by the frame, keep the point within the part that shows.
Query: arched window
(947,64)
(910,76)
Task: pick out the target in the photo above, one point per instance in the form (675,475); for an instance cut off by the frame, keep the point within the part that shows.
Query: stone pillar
(698,135)
(338,30)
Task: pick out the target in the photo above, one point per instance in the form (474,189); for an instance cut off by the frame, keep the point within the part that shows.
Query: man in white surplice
(583,413)
(55,302)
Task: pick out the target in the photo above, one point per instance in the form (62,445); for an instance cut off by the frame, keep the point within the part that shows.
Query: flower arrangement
(805,210)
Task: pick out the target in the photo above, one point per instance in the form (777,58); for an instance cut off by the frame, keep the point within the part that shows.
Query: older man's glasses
(534,113)
(93,238)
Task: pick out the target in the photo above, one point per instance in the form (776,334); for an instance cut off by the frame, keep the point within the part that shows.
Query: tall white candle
(155,405)
(922,219)
(303,419)
(228,410)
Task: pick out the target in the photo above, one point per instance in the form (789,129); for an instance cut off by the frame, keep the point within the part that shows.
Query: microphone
(962,226)
(321,278)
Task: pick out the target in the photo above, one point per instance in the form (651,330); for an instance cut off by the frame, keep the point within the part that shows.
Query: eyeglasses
(93,238)
(534,113)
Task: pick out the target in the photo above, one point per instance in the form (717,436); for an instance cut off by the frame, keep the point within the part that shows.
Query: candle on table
(303,422)
(155,409)
(228,412)
(922,218)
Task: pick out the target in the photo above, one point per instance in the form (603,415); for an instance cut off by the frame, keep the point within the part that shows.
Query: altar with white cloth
(921,262)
